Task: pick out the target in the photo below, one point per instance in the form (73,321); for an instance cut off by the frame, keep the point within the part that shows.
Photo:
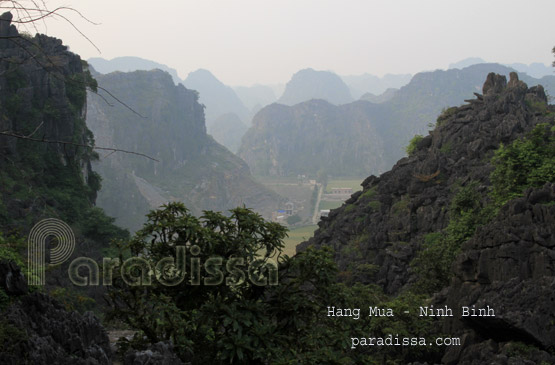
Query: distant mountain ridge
(536,69)
(367,83)
(360,137)
(129,64)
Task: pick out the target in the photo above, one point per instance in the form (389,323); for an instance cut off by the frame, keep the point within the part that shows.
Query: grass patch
(297,236)
(325,204)
(353,183)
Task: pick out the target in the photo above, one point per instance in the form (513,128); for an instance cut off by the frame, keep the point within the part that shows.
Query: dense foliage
(239,321)
(527,162)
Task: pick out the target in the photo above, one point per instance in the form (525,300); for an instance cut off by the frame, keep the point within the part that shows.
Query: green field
(353,183)
(277,179)
(297,236)
(324,204)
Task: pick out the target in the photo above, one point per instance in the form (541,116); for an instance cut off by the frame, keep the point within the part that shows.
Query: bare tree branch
(29,138)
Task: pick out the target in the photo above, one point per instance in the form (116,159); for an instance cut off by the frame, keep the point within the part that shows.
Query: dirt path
(316,215)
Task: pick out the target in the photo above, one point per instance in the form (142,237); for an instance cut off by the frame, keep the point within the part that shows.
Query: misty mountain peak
(310,84)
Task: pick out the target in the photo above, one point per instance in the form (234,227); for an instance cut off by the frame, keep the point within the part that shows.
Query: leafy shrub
(411,147)
(293,219)
(527,162)
(433,263)
(72,300)
(446,113)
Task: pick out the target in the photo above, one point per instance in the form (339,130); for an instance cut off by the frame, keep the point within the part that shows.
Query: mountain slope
(191,166)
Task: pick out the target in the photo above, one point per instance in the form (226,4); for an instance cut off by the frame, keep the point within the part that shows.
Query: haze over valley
(231,182)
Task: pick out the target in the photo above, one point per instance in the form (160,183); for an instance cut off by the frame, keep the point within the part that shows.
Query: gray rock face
(509,265)
(56,336)
(48,333)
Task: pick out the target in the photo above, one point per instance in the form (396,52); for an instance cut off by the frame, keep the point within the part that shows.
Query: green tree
(239,321)
(205,299)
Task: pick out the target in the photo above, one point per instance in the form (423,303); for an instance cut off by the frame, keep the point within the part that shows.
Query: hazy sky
(265,41)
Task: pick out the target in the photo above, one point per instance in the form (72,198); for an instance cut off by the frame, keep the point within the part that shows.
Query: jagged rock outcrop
(394,211)
(43,331)
(12,280)
(45,172)
(508,264)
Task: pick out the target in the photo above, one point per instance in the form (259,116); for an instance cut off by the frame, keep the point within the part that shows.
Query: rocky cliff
(45,172)
(191,166)
(442,194)
(42,98)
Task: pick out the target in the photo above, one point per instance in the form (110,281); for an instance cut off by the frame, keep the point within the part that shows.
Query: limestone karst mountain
(310,84)
(191,166)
